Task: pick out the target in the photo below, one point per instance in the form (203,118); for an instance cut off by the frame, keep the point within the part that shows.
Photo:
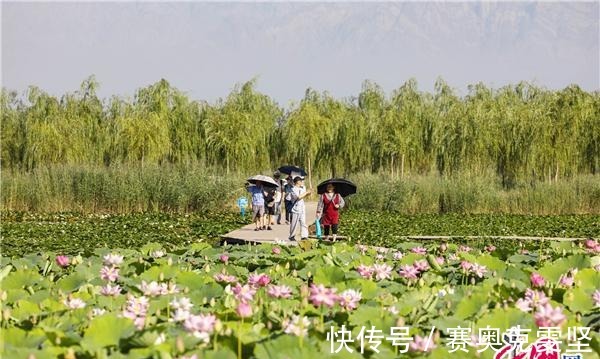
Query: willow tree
(238,129)
(143,138)
(307,131)
(372,107)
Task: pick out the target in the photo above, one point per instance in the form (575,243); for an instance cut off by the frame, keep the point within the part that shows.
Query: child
(258,205)
(328,210)
(298,211)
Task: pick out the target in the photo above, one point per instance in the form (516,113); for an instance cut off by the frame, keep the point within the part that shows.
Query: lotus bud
(141,260)
(76,260)
(500,281)
(179,344)
(212,302)
(6,314)
(550,292)
(70,354)
(218,326)
(161,277)
(186,290)
(472,280)
(57,340)
(421,282)
(207,268)
(170,261)
(3,296)
(287,265)
(400,322)
(31,356)
(294,273)
(513,285)
(228,331)
(578,317)
(204,300)
(309,274)
(269,325)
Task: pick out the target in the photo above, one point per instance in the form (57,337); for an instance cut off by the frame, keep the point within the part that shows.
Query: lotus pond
(329,301)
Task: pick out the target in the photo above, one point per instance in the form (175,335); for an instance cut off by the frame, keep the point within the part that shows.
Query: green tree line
(519,132)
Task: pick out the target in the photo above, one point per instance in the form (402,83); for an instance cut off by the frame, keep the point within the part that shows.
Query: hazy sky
(205,48)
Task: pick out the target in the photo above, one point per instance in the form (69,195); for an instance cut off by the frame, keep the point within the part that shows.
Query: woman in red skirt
(328,211)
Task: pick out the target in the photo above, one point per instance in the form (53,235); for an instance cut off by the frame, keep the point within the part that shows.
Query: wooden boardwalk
(279,234)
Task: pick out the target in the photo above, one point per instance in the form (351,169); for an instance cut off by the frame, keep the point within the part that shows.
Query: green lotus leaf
(106,330)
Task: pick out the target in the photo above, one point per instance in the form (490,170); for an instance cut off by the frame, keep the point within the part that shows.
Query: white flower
(181,315)
(297,326)
(153,289)
(98,311)
(74,303)
(182,303)
(398,256)
(157,254)
(113,260)
(161,339)
(393,310)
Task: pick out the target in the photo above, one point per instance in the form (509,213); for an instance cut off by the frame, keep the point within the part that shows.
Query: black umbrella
(342,186)
(292,169)
(266,180)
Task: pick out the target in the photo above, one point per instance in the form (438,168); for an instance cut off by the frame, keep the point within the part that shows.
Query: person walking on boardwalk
(278,196)
(258,205)
(328,211)
(298,211)
(287,192)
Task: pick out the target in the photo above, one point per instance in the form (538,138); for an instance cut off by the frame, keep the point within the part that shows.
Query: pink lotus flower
(200,326)
(537,280)
(112,260)
(419,250)
(259,280)
(596,298)
(280,291)
(153,289)
(398,256)
(523,305)
(365,271)
(380,257)
(546,316)
(419,345)
(297,326)
(478,270)
(224,258)
(110,274)
(349,299)
(382,271)
(243,293)
(421,265)
(244,310)
(440,260)
(566,280)
(491,248)
(592,246)
(276,250)
(110,291)
(409,272)
(136,309)
(62,261)
(225,278)
(319,295)
(74,303)
(532,299)
(466,266)
(536,297)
